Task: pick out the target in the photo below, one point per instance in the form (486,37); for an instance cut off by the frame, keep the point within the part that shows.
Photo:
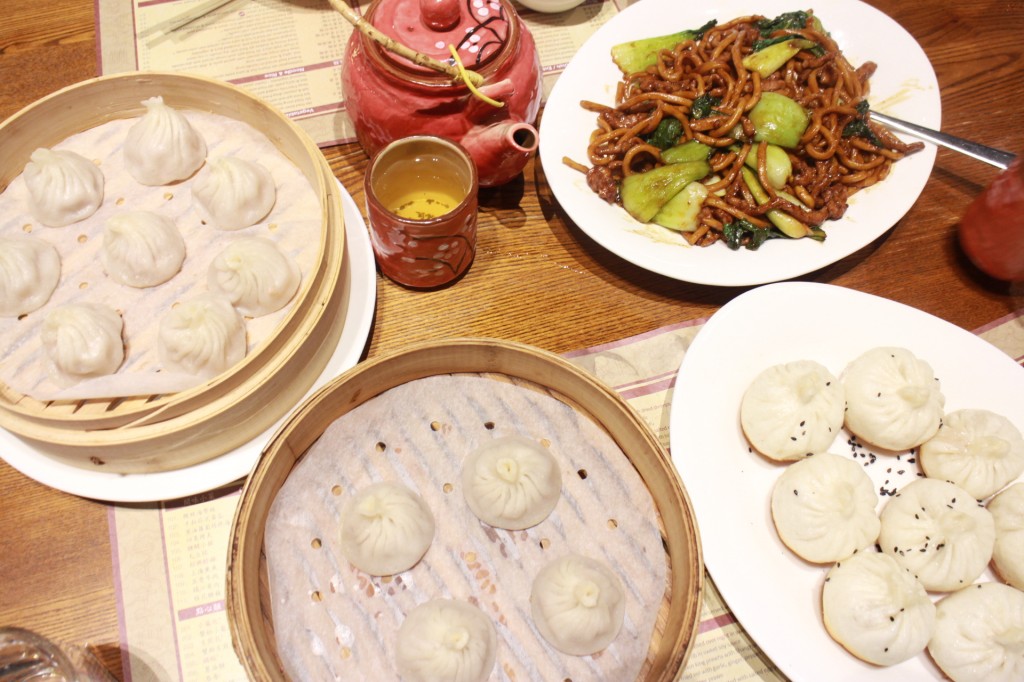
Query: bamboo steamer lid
(250,610)
(147,433)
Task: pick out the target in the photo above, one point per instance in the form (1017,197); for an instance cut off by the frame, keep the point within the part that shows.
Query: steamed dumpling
(876,610)
(29,272)
(386,528)
(979,634)
(939,532)
(82,340)
(234,193)
(445,640)
(202,337)
(1007,509)
(255,275)
(792,410)
(63,187)
(979,450)
(824,508)
(511,483)
(162,147)
(893,399)
(141,248)
(577,604)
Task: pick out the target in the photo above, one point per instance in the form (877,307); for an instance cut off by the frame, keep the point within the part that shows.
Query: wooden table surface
(537,277)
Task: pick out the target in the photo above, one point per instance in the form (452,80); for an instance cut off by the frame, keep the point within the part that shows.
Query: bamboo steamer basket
(249,604)
(148,433)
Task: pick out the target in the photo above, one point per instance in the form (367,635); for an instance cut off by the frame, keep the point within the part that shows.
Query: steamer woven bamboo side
(91,103)
(248,602)
(157,433)
(255,402)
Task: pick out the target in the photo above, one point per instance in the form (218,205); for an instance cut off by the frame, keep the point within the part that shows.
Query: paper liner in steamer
(250,610)
(167,431)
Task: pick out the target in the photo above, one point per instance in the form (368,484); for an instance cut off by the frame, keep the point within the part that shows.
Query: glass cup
(421,201)
(24,655)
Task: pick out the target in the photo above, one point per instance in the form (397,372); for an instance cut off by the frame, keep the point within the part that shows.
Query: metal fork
(990,155)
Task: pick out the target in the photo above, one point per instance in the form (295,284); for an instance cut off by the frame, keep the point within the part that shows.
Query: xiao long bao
(162,147)
(511,483)
(82,340)
(446,640)
(255,275)
(234,193)
(203,336)
(385,529)
(577,604)
(141,248)
(63,187)
(29,272)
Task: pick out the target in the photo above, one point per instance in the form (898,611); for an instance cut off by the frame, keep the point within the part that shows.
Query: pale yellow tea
(421,187)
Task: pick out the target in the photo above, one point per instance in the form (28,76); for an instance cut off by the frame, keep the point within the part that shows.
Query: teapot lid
(479,29)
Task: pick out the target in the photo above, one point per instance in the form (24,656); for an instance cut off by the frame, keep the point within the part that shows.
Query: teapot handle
(440,15)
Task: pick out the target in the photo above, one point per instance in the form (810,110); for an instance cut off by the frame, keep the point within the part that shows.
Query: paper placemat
(170,558)
(295,64)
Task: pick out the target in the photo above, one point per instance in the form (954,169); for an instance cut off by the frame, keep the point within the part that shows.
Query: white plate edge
(235,464)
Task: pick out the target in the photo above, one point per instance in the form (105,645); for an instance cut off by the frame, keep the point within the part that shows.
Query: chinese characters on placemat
(170,561)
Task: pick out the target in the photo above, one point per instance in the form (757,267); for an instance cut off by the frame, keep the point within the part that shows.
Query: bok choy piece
(644,194)
(787,224)
(778,166)
(778,120)
(770,59)
(680,212)
(692,150)
(637,55)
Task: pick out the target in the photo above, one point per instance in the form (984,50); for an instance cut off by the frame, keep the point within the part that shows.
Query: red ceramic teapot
(389,96)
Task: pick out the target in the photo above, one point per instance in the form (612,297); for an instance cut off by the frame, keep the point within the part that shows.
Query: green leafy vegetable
(741,233)
(681,211)
(787,224)
(778,165)
(691,150)
(768,42)
(859,127)
(786,20)
(779,120)
(643,194)
(704,106)
(666,134)
(773,57)
(637,55)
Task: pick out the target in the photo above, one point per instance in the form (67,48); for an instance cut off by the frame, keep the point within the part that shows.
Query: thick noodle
(828,167)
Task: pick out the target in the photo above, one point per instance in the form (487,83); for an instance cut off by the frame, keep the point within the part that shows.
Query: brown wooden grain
(537,277)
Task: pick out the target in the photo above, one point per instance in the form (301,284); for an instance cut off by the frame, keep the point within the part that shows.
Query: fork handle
(995,157)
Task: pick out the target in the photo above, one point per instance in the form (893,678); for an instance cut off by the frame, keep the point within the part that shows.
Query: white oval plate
(903,86)
(773,594)
(361,278)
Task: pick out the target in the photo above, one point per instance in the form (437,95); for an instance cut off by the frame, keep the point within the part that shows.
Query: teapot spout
(500,150)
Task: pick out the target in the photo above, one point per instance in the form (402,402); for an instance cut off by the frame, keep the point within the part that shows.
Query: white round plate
(361,279)
(904,86)
(775,595)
